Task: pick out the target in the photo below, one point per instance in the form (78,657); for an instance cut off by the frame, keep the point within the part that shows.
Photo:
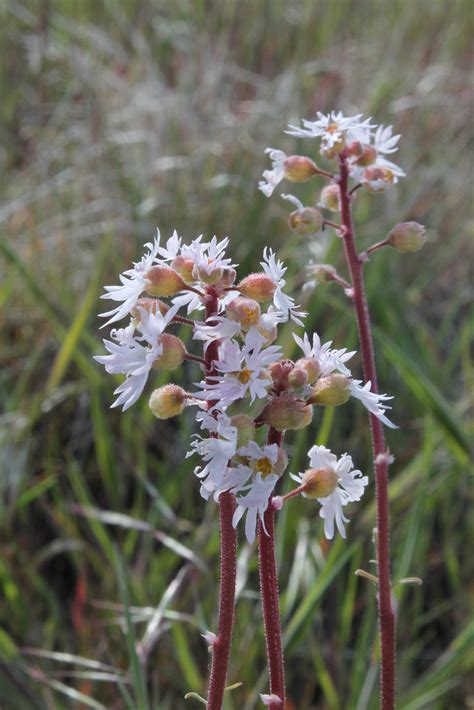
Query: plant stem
(228,557)
(228,571)
(385,609)
(269,595)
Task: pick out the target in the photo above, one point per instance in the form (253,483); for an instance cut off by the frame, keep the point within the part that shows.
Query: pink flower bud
(287,412)
(407,236)
(299,168)
(228,277)
(319,482)
(168,401)
(330,198)
(331,391)
(245,311)
(153,305)
(173,352)
(260,287)
(363,153)
(184,266)
(163,281)
(279,372)
(298,378)
(310,366)
(210,275)
(306,221)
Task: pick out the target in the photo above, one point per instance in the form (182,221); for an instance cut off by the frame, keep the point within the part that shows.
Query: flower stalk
(228,557)
(386,612)
(269,596)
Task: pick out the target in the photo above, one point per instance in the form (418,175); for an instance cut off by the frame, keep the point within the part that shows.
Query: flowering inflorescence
(248,386)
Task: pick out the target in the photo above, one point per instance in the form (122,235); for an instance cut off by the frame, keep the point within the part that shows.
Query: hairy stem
(228,558)
(269,595)
(386,612)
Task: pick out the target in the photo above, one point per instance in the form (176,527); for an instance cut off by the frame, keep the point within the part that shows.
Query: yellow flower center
(244,376)
(264,466)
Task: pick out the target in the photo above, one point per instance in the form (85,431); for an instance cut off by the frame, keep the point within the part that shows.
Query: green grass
(120,116)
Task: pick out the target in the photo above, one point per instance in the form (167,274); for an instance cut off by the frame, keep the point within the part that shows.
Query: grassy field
(120,116)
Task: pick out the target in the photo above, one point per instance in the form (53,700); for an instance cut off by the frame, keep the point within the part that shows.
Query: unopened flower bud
(323,273)
(228,277)
(377,179)
(210,275)
(298,378)
(245,311)
(163,281)
(260,287)
(173,352)
(330,198)
(363,153)
(331,391)
(245,428)
(310,366)
(168,401)
(267,330)
(287,412)
(319,482)
(407,236)
(299,168)
(153,305)
(306,221)
(279,372)
(184,266)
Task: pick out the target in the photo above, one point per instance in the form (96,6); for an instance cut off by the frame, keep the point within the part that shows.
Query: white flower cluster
(246,384)
(362,144)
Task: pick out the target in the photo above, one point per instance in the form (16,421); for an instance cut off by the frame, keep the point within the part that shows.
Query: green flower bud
(330,391)
(173,352)
(306,221)
(287,412)
(245,428)
(163,281)
(407,236)
(319,482)
(330,198)
(168,401)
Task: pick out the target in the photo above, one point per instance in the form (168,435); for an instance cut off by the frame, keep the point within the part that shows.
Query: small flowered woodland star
(248,385)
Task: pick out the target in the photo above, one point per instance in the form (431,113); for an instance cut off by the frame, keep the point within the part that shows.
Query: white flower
(274,176)
(384,141)
(335,128)
(254,503)
(172,249)
(216,451)
(134,283)
(327,358)
(243,371)
(222,328)
(283,303)
(371,400)
(132,357)
(350,487)
(207,256)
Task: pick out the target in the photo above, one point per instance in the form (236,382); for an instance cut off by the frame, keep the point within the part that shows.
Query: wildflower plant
(247,392)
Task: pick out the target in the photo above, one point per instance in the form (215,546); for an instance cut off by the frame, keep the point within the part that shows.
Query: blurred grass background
(120,116)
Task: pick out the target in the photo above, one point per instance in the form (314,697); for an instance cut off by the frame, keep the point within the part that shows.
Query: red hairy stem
(228,558)
(269,595)
(386,612)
